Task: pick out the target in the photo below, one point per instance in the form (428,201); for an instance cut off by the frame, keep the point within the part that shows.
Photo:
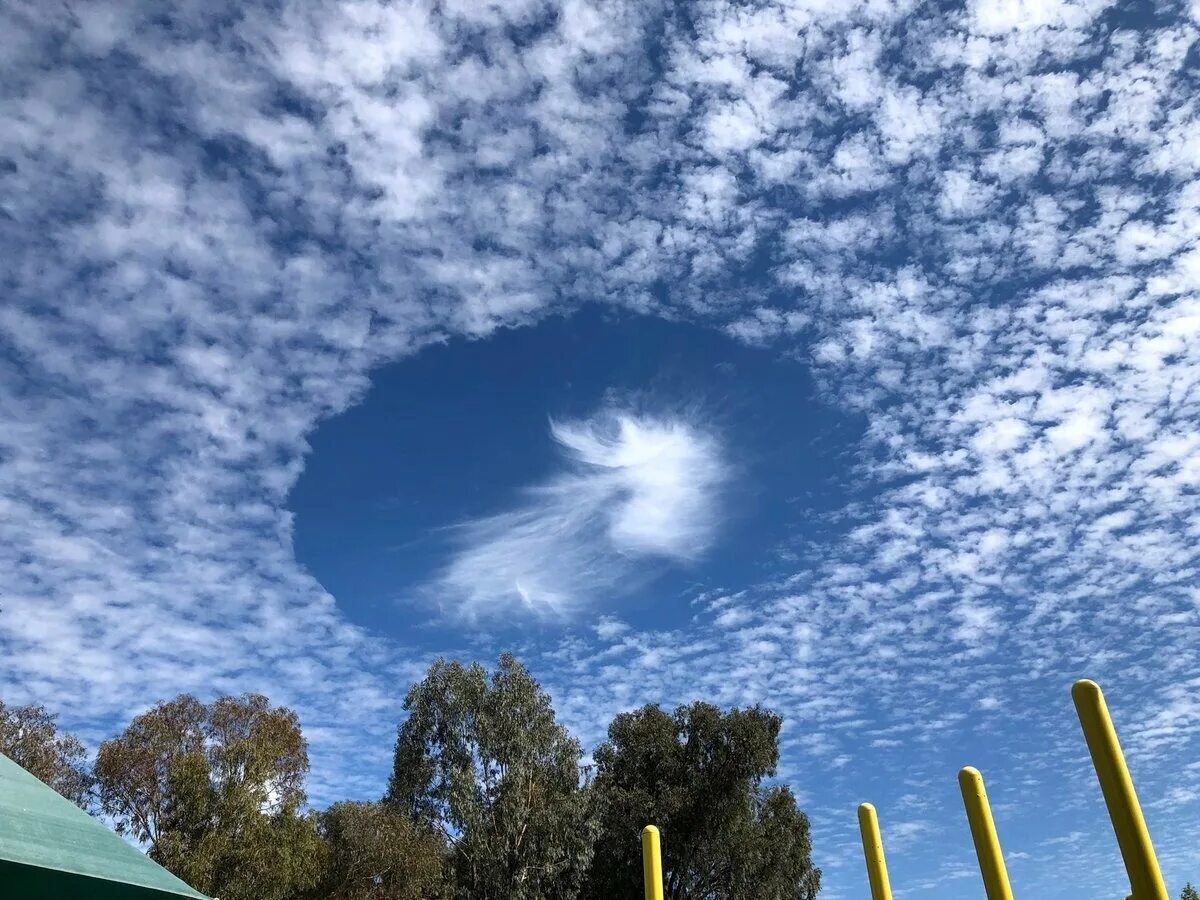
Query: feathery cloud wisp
(978,224)
(638,488)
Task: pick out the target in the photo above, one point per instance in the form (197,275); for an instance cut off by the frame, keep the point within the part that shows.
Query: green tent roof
(50,848)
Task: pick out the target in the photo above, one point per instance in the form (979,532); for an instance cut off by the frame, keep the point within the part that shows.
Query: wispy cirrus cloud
(637,490)
(979,224)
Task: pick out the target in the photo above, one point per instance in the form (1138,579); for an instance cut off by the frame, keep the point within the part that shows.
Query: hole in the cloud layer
(592,463)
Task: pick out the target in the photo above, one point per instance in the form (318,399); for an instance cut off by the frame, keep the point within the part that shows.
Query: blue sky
(843,357)
(474,447)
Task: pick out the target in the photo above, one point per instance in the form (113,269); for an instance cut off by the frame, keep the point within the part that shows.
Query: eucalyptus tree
(482,759)
(698,774)
(215,793)
(376,852)
(30,737)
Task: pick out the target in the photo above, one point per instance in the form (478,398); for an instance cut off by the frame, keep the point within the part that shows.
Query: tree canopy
(482,759)
(1189,893)
(376,852)
(215,792)
(487,800)
(30,737)
(698,775)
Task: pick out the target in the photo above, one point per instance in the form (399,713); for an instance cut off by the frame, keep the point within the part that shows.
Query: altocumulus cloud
(639,488)
(980,224)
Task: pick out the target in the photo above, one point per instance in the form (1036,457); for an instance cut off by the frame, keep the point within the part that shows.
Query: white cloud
(996,17)
(962,195)
(638,489)
(980,228)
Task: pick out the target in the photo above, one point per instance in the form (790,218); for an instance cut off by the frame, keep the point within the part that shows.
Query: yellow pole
(1133,838)
(652,863)
(872,841)
(983,832)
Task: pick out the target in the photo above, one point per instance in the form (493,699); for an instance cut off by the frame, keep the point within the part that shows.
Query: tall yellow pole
(983,832)
(872,841)
(1133,838)
(652,863)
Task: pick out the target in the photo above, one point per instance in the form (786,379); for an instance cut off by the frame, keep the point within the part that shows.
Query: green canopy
(50,848)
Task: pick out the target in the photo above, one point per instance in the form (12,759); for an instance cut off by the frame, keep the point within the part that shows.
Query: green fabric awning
(50,848)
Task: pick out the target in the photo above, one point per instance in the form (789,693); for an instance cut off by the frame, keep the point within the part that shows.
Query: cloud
(638,489)
(978,226)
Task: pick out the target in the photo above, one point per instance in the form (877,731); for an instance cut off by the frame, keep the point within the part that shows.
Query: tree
(698,776)
(375,852)
(29,736)
(215,792)
(484,761)
(1189,893)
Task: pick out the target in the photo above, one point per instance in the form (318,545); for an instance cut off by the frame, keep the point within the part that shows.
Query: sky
(840,357)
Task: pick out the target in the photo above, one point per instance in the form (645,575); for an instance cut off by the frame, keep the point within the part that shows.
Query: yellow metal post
(872,841)
(983,832)
(1133,838)
(652,863)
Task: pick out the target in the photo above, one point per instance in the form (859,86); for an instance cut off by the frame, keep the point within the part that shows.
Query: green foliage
(487,799)
(375,852)
(215,791)
(31,739)
(1189,893)
(484,761)
(698,776)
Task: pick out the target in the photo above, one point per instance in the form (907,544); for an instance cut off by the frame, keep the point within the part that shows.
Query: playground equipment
(983,833)
(1133,838)
(652,863)
(877,873)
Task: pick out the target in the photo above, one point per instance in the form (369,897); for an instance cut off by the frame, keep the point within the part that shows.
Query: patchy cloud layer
(979,225)
(642,489)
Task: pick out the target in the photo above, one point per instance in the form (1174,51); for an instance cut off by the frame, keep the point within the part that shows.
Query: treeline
(488,798)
